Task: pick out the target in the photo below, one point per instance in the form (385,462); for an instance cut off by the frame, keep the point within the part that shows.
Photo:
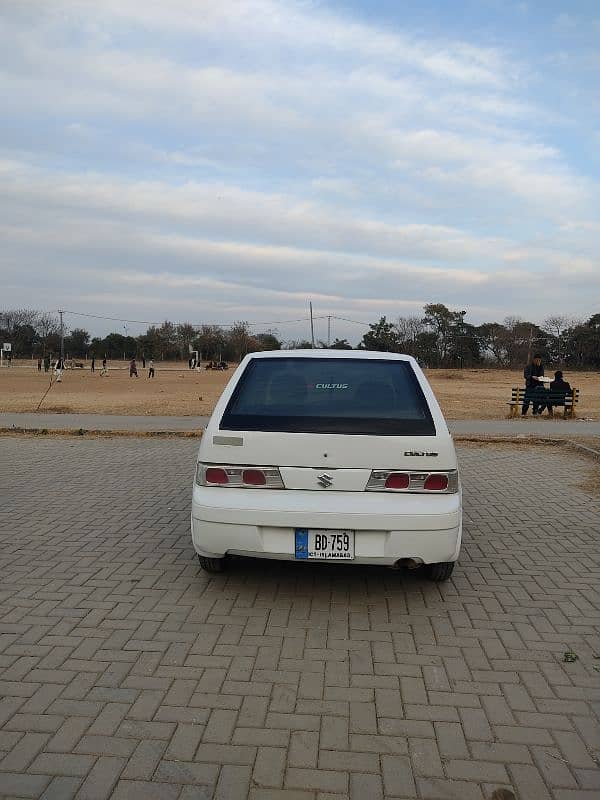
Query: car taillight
(233,476)
(254,477)
(216,475)
(397,480)
(436,482)
(389,480)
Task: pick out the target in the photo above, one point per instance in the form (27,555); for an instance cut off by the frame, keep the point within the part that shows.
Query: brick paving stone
(145,790)
(476,771)
(278,794)
(21,784)
(61,788)
(529,782)
(451,740)
(304,749)
(69,734)
(327,780)
(348,761)
(364,786)
(24,752)
(269,767)
(67,764)
(425,758)
(398,778)
(186,772)
(144,760)
(233,783)
(127,672)
(101,779)
(442,789)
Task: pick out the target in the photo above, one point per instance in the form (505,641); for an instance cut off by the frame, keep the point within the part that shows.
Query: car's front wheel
(211,564)
(441,571)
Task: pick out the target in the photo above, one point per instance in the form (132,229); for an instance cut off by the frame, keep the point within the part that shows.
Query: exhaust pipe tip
(409,563)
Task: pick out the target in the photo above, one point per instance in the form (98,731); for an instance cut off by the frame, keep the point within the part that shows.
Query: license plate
(326,545)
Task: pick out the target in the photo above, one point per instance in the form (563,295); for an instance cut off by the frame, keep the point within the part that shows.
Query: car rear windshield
(329,395)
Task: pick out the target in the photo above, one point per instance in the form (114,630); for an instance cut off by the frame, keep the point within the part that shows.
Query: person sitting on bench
(560,387)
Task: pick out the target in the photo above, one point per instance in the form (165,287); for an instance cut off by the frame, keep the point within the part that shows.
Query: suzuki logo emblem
(325,480)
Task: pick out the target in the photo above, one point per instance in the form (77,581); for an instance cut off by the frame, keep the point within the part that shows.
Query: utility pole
(62,339)
(328,330)
(125,326)
(312,327)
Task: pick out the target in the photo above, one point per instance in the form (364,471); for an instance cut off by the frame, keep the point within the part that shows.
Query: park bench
(568,402)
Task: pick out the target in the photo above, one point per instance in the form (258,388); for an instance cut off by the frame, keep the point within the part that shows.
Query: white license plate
(327,545)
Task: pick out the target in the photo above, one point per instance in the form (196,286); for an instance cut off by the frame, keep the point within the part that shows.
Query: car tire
(211,564)
(441,571)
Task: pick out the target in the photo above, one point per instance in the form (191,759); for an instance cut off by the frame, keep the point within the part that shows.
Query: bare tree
(48,328)
(556,325)
(13,318)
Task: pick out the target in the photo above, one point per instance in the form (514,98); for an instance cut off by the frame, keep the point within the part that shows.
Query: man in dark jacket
(533,386)
(560,387)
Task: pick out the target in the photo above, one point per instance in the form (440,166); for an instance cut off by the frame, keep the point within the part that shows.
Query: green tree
(185,335)
(211,342)
(448,327)
(77,343)
(494,339)
(267,341)
(382,336)
(239,341)
(341,344)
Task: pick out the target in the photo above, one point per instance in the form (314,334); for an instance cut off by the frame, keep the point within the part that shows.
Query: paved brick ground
(125,672)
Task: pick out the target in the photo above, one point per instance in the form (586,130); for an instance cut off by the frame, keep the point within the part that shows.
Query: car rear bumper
(388,527)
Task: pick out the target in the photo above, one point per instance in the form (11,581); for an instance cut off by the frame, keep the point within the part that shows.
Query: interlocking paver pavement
(126,672)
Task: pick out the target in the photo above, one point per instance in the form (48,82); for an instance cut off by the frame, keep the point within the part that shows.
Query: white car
(333,455)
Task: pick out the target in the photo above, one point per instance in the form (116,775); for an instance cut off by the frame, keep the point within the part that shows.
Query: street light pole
(62,339)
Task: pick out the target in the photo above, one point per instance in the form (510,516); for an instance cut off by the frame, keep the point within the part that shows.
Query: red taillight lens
(254,477)
(436,483)
(233,476)
(216,475)
(397,480)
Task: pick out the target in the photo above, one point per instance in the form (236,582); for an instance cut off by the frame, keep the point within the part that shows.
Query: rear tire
(211,564)
(441,571)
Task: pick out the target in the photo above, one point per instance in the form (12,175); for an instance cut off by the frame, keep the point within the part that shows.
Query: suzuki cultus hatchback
(328,455)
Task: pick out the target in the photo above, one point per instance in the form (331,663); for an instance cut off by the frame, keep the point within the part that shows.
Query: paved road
(504,427)
(127,673)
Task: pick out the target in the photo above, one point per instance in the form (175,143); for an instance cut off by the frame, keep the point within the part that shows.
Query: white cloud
(249,152)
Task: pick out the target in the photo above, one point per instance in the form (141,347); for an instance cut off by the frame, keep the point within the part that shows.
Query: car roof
(330,353)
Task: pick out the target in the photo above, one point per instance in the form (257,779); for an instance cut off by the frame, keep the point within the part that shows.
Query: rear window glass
(329,395)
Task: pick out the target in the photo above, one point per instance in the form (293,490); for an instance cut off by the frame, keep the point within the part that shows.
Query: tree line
(440,337)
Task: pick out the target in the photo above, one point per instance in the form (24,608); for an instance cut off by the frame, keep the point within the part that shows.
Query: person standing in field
(151,368)
(93,365)
(58,369)
(133,368)
(143,362)
(39,364)
(104,370)
(533,386)
(46,363)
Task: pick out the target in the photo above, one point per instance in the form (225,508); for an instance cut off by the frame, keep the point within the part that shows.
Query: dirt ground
(177,391)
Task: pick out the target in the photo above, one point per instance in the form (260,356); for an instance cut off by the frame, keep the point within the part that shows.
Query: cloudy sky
(212,162)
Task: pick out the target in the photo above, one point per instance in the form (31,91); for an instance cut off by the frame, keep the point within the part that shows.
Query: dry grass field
(463,394)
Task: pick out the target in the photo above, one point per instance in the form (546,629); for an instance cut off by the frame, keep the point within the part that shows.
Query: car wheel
(212,564)
(440,572)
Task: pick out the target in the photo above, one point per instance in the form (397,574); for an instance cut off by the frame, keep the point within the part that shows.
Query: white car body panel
(389,526)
